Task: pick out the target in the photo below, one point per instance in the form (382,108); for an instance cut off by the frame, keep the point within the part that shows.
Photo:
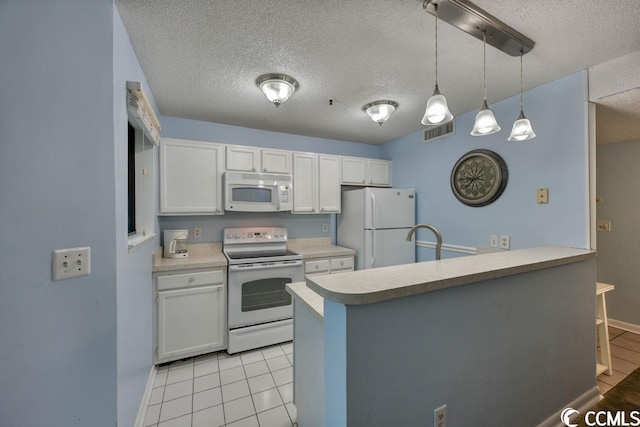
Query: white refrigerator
(375,223)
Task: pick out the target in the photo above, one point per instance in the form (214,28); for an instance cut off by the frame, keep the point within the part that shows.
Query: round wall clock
(479,177)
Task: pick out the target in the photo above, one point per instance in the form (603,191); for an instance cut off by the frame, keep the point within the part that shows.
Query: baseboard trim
(449,248)
(142,410)
(581,404)
(629,327)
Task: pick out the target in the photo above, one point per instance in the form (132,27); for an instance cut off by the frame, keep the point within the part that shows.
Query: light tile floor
(625,357)
(249,389)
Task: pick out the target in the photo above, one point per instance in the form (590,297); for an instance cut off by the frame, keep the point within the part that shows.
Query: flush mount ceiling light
(380,111)
(522,129)
(486,123)
(437,111)
(277,87)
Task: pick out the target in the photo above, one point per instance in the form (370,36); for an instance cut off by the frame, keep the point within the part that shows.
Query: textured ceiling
(202,57)
(618,117)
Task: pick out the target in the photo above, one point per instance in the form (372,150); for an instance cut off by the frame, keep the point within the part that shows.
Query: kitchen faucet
(435,231)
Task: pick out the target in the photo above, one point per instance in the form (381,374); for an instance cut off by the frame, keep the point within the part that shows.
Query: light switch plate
(493,240)
(72,262)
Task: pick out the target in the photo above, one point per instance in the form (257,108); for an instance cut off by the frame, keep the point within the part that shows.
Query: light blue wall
(58,352)
(556,159)
(617,177)
(134,284)
(299,226)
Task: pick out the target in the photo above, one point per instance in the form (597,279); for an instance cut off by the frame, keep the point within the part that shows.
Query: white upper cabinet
(379,172)
(362,171)
(304,183)
(252,159)
(316,183)
(276,161)
(245,159)
(329,191)
(190,177)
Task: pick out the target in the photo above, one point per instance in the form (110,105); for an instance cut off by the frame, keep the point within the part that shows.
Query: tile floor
(250,389)
(625,355)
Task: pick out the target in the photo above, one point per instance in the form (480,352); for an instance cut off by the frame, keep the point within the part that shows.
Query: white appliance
(175,243)
(257,192)
(259,307)
(375,222)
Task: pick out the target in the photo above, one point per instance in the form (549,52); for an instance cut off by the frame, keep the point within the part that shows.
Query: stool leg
(603,333)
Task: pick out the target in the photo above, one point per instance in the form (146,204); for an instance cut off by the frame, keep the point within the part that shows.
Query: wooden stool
(602,329)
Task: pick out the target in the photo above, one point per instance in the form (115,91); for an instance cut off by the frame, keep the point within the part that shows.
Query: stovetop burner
(243,245)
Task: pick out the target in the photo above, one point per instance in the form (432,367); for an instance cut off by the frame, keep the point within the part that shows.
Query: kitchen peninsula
(502,339)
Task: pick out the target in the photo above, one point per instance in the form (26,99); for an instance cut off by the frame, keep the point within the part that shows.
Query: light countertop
(380,284)
(317,247)
(201,255)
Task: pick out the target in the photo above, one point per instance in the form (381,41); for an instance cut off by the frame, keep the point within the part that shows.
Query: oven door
(257,292)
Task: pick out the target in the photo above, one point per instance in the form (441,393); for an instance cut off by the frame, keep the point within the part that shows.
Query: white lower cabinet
(190,314)
(317,267)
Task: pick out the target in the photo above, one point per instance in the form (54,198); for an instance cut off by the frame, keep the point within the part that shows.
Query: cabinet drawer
(313,267)
(339,264)
(189,280)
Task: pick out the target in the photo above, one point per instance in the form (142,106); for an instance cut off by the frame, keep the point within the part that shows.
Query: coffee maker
(175,243)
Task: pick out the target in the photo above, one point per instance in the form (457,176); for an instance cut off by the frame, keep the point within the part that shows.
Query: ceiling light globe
(521,130)
(380,111)
(277,87)
(486,123)
(437,111)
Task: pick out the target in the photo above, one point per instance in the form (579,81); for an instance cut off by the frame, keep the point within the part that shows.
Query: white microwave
(257,192)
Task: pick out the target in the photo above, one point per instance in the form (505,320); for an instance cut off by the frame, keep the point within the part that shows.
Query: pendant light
(522,130)
(486,123)
(437,111)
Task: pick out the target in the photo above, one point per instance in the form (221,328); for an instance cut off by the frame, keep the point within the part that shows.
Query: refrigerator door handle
(373,211)
(373,248)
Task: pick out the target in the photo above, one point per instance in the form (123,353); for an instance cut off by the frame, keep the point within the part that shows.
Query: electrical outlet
(493,241)
(197,232)
(504,241)
(542,196)
(325,227)
(72,262)
(603,226)
(440,416)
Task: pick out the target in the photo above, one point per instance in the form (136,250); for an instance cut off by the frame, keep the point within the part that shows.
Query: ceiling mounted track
(474,21)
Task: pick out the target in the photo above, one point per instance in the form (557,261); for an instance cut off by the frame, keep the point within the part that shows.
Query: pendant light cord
(436,14)
(521,80)
(484,44)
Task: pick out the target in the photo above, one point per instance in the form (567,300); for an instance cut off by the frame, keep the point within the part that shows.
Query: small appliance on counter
(175,243)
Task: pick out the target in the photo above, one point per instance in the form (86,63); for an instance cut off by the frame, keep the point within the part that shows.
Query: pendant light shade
(277,87)
(486,123)
(437,111)
(522,129)
(380,111)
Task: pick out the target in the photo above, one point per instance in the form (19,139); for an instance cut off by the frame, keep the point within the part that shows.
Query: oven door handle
(264,266)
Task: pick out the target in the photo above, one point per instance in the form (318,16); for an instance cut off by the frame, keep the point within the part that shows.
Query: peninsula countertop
(380,284)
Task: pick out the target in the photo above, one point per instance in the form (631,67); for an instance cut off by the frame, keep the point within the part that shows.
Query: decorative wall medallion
(479,177)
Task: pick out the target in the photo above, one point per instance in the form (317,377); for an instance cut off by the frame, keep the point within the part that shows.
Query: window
(142,137)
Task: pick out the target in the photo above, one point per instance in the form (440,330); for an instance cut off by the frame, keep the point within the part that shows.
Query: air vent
(435,132)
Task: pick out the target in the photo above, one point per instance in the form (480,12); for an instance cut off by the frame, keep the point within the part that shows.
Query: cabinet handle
(264,170)
(317,267)
(341,263)
(253,169)
(191,279)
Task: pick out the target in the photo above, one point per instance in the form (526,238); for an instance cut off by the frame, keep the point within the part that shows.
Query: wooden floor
(625,355)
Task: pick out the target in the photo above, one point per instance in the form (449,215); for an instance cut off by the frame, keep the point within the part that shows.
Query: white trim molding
(146,396)
(629,327)
(446,247)
(581,404)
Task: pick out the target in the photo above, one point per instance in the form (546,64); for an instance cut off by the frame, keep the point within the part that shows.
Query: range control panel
(255,235)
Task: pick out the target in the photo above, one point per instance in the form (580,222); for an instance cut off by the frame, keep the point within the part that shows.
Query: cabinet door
(304,182)
(354,170)
(276,161)
(190,177)
(379,172)
(329,191)
(245,159)
(190,321)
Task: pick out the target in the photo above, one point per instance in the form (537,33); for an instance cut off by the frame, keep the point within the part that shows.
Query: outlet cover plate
(504,241)
(69,263)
